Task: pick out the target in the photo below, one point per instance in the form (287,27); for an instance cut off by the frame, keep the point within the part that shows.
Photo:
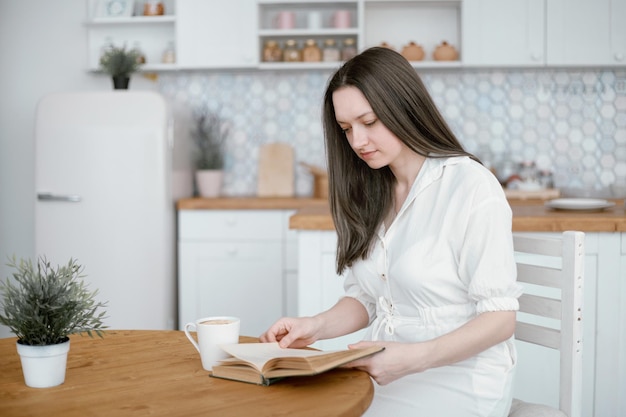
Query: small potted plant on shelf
(43,307)
(120,63)
(209,136)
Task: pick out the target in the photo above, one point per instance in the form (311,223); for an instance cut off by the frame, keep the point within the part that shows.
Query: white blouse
(446,257)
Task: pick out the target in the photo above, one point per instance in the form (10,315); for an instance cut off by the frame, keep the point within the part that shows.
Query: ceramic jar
(413,52)
(291,53)
(272,52)
(331,51)
(349,49)
(445,52)
(311,52)
(153,8)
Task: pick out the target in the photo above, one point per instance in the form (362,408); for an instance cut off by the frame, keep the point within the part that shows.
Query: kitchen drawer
(230,224)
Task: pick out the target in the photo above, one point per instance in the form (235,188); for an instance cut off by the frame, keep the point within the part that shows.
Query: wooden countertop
(250,203)
(528,216)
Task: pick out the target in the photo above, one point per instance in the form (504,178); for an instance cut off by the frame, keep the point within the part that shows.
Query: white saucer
(579,204)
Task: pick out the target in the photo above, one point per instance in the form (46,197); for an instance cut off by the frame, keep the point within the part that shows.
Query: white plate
(579,204)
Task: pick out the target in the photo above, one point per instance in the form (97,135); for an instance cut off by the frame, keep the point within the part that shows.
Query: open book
(265,363)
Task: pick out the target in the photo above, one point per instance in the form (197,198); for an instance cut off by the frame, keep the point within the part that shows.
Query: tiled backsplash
(571,122)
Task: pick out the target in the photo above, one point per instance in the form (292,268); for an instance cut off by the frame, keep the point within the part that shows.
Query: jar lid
(349,41)
(311,42)
(291,42)
(329,42)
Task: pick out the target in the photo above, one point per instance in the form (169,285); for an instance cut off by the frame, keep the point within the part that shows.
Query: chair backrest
(558,263)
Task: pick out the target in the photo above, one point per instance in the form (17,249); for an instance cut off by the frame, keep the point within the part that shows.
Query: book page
(258,354)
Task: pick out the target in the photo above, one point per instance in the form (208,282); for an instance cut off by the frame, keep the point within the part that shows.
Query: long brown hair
(360,196)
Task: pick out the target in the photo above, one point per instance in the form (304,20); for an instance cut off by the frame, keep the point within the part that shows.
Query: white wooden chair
(561,267)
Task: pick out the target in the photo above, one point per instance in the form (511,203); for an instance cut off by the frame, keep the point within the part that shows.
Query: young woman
(424,242)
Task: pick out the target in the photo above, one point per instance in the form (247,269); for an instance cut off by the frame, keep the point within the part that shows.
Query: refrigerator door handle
(71,198)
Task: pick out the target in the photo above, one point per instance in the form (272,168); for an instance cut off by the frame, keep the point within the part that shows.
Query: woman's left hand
(396,361)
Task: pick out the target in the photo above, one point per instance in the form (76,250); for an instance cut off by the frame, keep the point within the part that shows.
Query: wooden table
(158,373)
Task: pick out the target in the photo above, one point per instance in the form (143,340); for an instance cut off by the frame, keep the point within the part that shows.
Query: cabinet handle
(232,251)
(70,198)
(619,57)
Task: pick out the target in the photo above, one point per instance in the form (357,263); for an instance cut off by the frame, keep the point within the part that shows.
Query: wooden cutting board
(276,170)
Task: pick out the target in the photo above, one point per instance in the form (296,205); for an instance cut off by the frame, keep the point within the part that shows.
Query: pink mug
(285,20)
(341,19)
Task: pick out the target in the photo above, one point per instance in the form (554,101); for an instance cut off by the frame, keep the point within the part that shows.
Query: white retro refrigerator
(103,197)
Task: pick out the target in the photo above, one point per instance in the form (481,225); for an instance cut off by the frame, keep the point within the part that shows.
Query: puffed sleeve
(353,289)
(487,263)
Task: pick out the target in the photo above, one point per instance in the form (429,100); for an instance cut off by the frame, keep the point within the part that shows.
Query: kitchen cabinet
(604,376)
(586,32)
(552,33)
(236,262)
(216,34)
(503,33)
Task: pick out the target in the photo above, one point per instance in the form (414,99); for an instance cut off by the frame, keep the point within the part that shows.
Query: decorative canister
(413,52)
(331,51)
(384,44)
(169,54)
(349,49)
(272,52)
(311,52)
(445,52)
(291,53)
(153,8)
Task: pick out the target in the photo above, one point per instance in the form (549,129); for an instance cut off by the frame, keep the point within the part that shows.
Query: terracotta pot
(445,52)
(413,52)
(386,45)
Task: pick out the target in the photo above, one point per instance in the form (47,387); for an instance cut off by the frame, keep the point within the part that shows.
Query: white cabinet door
(212,34)
(586,32)
(319,287)
(232,262)
(242,279)
(503,32)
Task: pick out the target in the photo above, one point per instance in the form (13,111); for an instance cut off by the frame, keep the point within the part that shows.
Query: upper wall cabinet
(503,33)
(544,32)
(586,32)
(214,34)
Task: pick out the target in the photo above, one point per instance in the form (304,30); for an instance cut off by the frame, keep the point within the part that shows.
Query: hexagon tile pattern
(569,122)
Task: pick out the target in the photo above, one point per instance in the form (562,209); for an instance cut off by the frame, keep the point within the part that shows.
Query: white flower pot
(44,366)
(209,182)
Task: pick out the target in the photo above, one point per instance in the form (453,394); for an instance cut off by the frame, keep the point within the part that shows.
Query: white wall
(42,50)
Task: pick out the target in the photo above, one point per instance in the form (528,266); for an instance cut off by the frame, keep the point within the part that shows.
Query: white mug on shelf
(314,20)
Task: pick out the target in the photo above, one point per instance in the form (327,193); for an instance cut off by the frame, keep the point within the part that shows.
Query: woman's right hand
(292,332)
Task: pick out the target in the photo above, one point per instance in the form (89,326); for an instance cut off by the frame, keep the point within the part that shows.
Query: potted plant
(43,307)
(209,136)
(120,63)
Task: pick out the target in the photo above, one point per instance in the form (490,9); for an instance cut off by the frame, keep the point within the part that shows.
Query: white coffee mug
(314,20)
(211,333)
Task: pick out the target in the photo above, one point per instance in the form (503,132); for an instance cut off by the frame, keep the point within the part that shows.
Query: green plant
(47,304)
(120,62)
(209,136)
